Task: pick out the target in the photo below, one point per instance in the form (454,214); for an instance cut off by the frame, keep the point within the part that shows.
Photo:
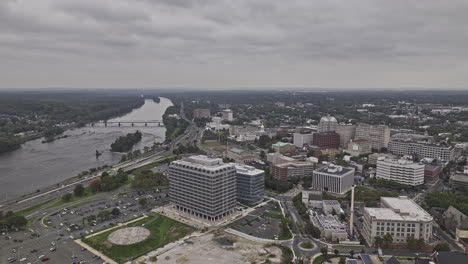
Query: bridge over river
(129,123)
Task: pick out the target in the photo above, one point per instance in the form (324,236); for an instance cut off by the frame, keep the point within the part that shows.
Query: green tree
(387,239)
(79,190)
(442,247)
(336,251)
(143,202)
(115,211)
(67,197)
(324,251)
(378,241)
(342,260)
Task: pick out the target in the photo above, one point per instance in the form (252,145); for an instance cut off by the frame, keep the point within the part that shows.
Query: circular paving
(128,235)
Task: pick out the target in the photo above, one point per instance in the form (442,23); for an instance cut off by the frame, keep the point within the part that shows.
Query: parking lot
(54,243)
(264,222)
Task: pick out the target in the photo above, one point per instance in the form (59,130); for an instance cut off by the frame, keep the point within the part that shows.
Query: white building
(203,187)
(347,132)
(402,171)
(334,179)
(422,149)
(277,158)
(377,135)
(300,140)
(327,123)
(250,184)
(228,115)
(400,217)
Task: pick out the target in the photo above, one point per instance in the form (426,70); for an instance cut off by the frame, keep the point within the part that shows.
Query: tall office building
(402,171)
(228,115)
(347,132)
(327,123)
(300,140)
(400,217)
(250,184)
(329,139)
(203,187)
(333,178)
(377,135)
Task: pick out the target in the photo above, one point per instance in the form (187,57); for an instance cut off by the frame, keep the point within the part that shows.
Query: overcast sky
(220,44)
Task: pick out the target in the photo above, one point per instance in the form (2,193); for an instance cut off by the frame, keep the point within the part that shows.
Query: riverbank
(36,166)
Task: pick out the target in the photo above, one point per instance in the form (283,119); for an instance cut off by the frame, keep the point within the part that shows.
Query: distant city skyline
(245,44)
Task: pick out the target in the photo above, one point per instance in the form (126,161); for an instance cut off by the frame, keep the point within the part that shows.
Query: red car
(45,259)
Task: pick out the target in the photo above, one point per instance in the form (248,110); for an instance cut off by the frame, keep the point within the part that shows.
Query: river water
(37,165)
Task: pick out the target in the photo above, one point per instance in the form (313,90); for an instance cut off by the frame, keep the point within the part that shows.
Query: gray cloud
(220,44)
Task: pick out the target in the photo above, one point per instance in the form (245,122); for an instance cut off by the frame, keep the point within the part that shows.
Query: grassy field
(163,231)
(29,210)
(322,258)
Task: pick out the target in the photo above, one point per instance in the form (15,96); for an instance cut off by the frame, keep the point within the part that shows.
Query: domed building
(327,123)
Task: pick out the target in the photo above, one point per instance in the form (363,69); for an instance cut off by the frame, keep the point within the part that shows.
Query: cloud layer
(241,43)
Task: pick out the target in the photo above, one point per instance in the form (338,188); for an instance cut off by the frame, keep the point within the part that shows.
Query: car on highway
(45,259)
(11,260)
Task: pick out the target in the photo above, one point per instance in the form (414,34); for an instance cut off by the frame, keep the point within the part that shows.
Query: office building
(330,227)
(203,187)
(241,155)
(374,157)
(292,169)
(459,182)
(300,140)
(359,147)
(401,217)
(277,157)
(199,113)
(402,171)
(333,179)
(431,173)
(347,132)
(228,115)
(250,184)
(422,150)
(327,123)
(282,147)
(378,135)
(329,139)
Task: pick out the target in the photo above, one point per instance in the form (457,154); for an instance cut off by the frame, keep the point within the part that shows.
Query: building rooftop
(203,162)
(334,169)
(460,177)
(237,150)
(281,144)
(402,162)
(295,164)
(247,170)
(399,209)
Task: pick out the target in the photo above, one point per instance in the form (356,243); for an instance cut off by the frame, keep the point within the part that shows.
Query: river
(37,165)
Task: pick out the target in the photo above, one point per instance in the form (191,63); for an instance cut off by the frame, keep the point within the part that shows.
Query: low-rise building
(330,206)
(401,217)
(359,147)
(283,147)
(241,155)
(330,226)
(228,115)
(347,132)
(459,182)
(402,171)
(372,158)
(287,170)
(277,157)
(333,179)
(421,150)
(312,199)
(200,112)
(250,184)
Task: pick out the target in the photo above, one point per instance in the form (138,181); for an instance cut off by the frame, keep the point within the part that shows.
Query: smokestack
(351,218)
